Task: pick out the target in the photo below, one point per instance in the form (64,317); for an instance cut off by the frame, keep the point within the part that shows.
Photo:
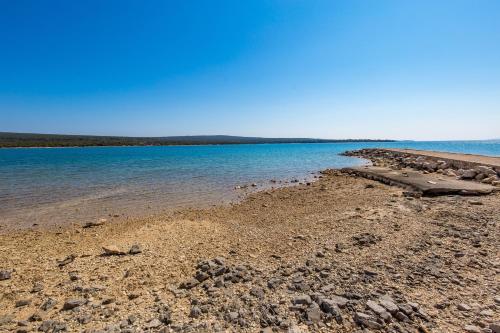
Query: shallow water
(66,185)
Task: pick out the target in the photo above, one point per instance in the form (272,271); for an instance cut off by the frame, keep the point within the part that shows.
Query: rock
(365,320)
(257,292)
(23,302)
(480,176)
(329,306)
(165,316)
(94,223)
(108,300)
(302,300)
(73,276)
(365,239)
(375,307)
(495,327)
(6,319)
(379,310)
(37,316)
(320,254)
(467,174)
(389,305)
(46,326)
(472,329)
(69,259)
(486,170)
(487,313)
(463,307)
(153,323)
(37,287)
(48,304)
(73,303)
(5,275)
(489,180)
(401,316)
(406,308)
(232,316)
(52,326)
(112,250)
(273,283)
(135,249)
(191,283)
(201,276)
(313,314)
(339,300)
(195,312)
(84,318)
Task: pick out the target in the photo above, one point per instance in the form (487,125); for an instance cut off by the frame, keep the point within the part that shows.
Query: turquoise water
(66,185)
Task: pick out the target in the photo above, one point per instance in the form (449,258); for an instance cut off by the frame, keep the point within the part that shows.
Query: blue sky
(330,69)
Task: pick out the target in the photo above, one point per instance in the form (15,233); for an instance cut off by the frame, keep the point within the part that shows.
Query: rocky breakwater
(430,164)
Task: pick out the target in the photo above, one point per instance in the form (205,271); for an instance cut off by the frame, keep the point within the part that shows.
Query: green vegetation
(55,140)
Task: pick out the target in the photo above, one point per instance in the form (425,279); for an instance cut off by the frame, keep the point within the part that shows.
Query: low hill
(57,140)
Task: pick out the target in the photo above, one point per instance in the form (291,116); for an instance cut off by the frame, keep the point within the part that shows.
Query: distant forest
(11,140)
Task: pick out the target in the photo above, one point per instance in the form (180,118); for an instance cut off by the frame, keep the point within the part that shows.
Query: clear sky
(328,69)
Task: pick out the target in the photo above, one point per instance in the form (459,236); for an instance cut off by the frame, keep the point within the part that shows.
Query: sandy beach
(343,254)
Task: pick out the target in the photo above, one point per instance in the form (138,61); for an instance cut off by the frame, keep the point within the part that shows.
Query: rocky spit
(428,164)
(341,254)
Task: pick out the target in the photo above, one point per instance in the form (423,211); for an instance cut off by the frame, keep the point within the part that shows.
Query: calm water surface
(66,185)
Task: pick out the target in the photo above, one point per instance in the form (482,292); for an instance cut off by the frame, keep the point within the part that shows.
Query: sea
(60,186)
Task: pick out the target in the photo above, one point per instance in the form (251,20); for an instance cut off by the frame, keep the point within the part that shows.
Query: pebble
(472,329)
(195,312)
(5,275)
(303,299)
(92,224)
(463,307)
(23,302)
(73,303)
(135,249)
(366,320)
(112,250)
(48,304)
(37,287)
(495,327)
(389,306)
(153,323)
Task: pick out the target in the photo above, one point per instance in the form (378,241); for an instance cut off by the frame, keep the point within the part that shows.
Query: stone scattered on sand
(70,304)
(5,275)
(463,307)
(495,327)
(135,249)
(112,250)
(48,304)
(472,329)
(37,287)
(23,302)
(92,224)
(68,260)
(153,323)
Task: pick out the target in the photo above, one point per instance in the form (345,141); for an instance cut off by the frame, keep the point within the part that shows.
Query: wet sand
(341,254)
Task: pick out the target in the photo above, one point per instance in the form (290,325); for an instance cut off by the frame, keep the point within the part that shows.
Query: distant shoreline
(182,145)
(30,140)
